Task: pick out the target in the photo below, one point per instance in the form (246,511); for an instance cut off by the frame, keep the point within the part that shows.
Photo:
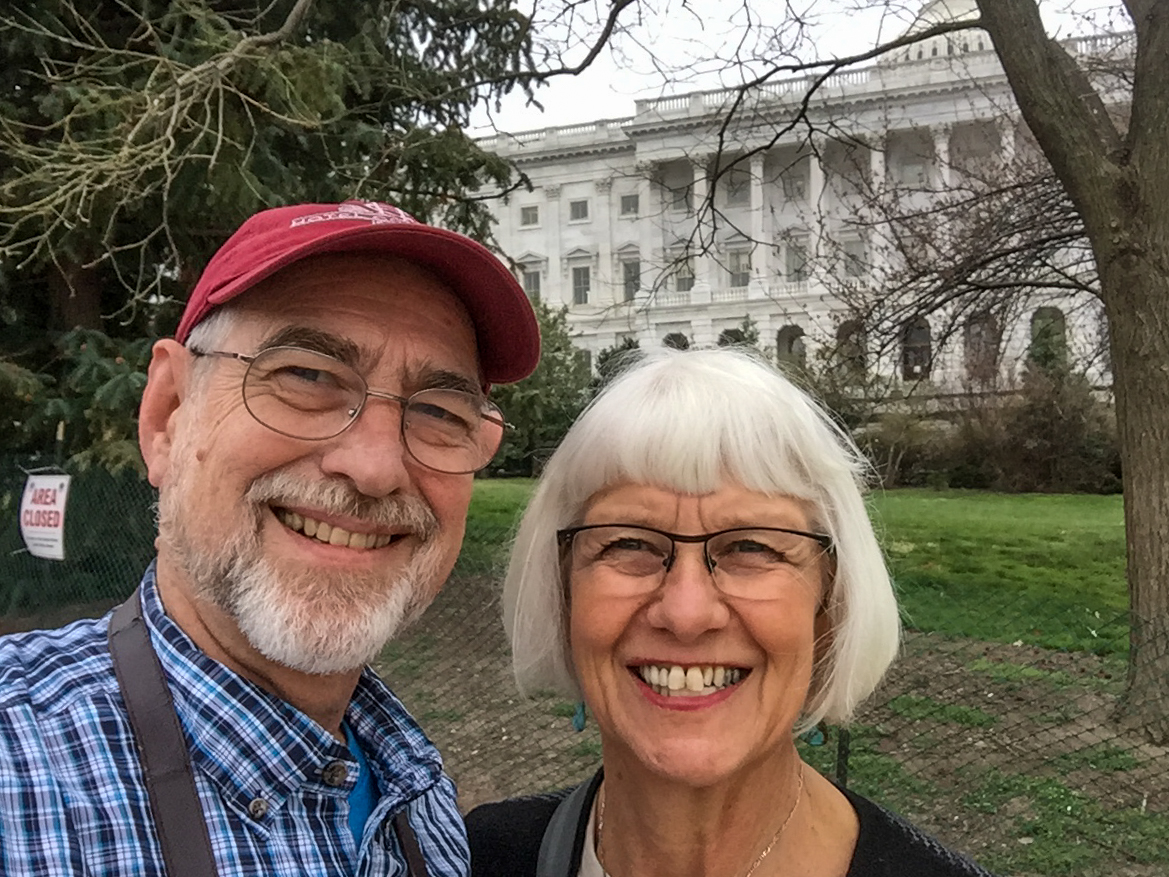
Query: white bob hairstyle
(694,421)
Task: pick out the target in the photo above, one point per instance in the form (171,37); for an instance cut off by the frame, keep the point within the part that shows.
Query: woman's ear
(166,390)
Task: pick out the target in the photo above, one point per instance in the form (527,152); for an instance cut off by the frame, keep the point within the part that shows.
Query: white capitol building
(652,227)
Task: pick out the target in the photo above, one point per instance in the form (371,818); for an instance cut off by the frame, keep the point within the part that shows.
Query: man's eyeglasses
(304,394)
(749,562)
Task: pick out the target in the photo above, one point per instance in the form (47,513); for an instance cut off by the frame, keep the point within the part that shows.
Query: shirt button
(335,773)
(258,808)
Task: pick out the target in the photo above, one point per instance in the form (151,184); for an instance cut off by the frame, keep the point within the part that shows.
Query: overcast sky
(702,37)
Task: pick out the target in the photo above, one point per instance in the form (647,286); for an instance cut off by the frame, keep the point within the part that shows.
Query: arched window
(850,346)
(982,339)
(789,346)
(676,340)
(1049,345)
(731,337)
(916,350)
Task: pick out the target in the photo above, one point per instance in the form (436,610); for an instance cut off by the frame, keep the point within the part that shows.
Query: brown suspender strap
(162,749)
(166,762)
(415,863)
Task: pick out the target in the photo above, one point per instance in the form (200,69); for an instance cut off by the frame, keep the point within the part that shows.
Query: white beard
(316,621)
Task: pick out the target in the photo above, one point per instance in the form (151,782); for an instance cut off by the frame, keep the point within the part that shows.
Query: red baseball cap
(505,326)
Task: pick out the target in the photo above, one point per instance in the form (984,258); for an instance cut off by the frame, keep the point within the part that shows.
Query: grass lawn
(1044,569)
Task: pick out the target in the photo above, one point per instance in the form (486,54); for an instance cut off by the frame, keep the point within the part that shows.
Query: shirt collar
(251,744)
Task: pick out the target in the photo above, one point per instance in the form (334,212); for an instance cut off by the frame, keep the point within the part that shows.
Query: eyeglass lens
(746,562)
(309,395)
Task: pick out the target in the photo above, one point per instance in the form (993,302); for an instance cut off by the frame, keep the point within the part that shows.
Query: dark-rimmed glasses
(309,395)
(750,562)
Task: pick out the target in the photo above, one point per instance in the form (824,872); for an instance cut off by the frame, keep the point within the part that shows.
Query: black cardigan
(505,840)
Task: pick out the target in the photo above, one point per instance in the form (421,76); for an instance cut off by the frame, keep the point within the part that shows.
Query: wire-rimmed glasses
(305,394)
(748,562)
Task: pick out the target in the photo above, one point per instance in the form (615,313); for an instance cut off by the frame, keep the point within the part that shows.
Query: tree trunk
(75,298)
(1119,182)
(1137,295)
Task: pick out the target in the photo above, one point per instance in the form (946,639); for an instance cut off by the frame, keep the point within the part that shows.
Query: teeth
(700,679)
(323,532)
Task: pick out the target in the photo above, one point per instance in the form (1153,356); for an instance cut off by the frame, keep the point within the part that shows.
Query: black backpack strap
(564,838)
(162,749)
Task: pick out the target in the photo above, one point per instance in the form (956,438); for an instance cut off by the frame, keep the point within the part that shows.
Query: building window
(530,215)
(916,350)
(578,211)
(738,187)
(795,262)
(631,278)
(789,346)
(911,172)
(581,281)
(684,275)
(739,267)
(531,283)
(855,264)
(982,337)
(734,337)
(1049,345)
(681,199)
(676,340)
(585,358)
(794,188)
(630,204)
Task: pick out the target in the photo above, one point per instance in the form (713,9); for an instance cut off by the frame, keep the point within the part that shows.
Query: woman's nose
(688,603)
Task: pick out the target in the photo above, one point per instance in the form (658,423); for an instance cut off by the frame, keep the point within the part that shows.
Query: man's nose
(372,453)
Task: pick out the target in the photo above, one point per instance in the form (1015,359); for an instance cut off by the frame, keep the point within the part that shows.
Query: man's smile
(331,534)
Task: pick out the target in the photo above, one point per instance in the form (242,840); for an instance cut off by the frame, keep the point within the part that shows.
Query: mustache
(341,498)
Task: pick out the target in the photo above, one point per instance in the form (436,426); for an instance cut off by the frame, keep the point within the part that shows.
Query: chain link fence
(109,540)
(1018,754)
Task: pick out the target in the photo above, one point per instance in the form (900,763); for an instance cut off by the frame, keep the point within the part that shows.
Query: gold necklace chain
(754,865)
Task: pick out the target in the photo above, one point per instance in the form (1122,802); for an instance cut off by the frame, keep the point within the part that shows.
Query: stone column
(760,246)
(816,185)
(941,134)
(704,263)
(877,164)
(647,232)
(876,252)
(1006,129)
(558,290)
(607,273)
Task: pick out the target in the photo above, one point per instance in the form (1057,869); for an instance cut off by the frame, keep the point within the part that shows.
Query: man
(313,429)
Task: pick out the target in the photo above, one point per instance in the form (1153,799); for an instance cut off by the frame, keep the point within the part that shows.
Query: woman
(698,566)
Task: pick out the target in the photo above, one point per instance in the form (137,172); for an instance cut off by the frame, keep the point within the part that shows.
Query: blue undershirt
(363,797)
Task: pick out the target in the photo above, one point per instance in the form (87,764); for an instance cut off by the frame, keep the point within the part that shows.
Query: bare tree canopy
(1075,201)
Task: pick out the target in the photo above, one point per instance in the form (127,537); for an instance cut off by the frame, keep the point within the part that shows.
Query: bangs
(677,423)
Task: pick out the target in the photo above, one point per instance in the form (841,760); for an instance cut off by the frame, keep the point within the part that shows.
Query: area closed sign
(42,515)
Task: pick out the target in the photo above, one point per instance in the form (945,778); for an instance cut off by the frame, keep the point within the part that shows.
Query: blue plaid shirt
(72,799)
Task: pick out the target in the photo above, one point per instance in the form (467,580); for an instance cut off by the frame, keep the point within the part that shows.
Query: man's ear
(166,390)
